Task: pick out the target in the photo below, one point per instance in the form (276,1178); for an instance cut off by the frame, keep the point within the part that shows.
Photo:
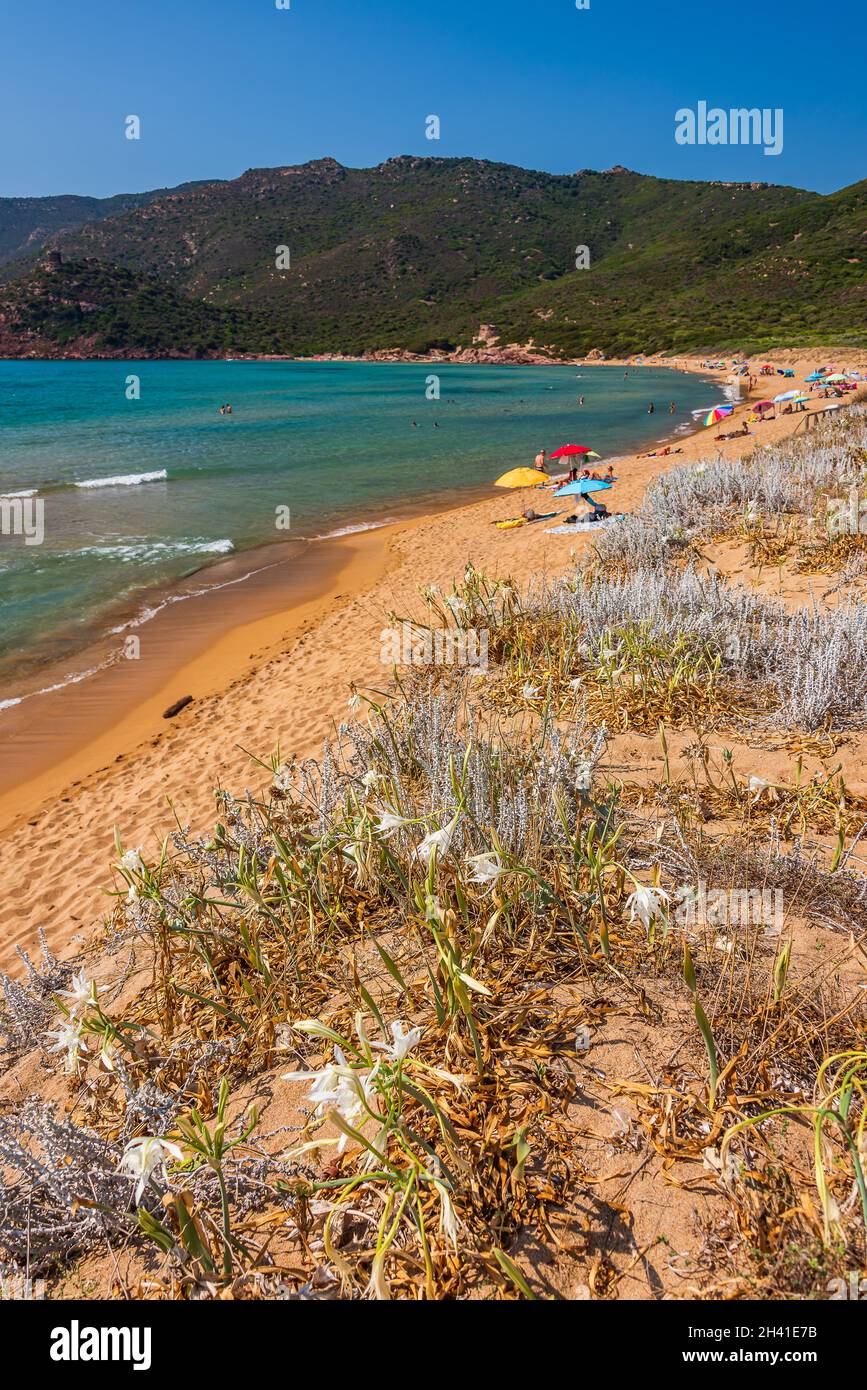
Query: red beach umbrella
(569,450)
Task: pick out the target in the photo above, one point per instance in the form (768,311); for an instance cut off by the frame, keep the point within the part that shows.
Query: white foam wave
(125,480)
(354,529)
(147,613)
(157,549)
(72,679)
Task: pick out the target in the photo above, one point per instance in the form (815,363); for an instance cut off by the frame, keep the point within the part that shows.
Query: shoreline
(92,678)
(282,678)
(95,645)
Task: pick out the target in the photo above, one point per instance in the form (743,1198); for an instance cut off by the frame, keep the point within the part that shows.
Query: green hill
(89,308)
(26,224)
(798,277)
(417,252)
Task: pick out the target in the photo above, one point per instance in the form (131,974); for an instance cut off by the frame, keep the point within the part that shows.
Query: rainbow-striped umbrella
(719,412)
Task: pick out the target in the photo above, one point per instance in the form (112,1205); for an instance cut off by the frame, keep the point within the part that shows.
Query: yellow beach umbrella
(522,477)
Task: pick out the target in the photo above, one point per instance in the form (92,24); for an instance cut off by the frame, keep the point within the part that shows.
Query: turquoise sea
(139,493)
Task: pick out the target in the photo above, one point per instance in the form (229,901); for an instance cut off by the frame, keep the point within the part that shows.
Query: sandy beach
(270,667)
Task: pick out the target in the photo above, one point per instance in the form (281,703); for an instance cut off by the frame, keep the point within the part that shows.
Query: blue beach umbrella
(582,487)
(815,376)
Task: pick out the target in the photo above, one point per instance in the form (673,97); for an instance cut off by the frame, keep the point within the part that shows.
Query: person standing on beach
(539,461)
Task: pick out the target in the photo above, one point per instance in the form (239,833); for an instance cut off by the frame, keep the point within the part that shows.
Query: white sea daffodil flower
(439,840)
(449,1223)
(530,691)
(70,1041)
(341,1088)
(757,785)
(583,776)
(486,868)
(457,605)
(354,702)
(390,821)
(404,1041)
(132,861)
(371,779)
(82,993)
(283,778)
(144,1156)
(646,904)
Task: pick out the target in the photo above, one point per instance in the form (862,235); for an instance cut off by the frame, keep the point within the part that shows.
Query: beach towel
(580,527)
(523,520)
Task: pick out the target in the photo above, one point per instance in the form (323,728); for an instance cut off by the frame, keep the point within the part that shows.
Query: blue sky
(225,85)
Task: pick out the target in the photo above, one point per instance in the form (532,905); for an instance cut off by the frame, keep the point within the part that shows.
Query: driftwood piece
(177,707)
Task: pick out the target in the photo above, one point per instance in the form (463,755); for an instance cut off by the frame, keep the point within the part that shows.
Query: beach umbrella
(572,450)
(763,405)
(786,396)
(814,376)
(719,412)
(522,477)
(837,378)
(582,487)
